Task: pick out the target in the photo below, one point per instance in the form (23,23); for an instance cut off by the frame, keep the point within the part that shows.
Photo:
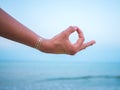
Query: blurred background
(98,19)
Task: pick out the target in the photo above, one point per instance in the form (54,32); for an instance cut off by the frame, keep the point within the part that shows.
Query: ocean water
(59,75)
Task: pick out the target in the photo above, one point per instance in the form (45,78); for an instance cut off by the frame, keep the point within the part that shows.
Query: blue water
(59,75)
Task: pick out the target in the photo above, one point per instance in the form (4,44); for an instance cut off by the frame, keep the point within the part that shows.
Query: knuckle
(70,26)
(64,34)
(73,51)
(84,48)
(83,39)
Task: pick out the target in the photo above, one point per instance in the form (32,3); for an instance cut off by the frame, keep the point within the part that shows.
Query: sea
(59,75)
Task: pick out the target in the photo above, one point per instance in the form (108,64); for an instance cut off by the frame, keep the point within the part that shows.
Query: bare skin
(59,44)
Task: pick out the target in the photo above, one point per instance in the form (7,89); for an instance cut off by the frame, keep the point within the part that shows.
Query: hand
(60,44)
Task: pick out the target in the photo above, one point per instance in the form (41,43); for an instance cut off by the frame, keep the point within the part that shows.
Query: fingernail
(94,41)
(75,27)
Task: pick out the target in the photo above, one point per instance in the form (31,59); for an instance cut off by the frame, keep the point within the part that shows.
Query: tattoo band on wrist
(38,43)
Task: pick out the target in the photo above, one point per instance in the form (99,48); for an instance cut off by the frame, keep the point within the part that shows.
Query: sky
(98,19)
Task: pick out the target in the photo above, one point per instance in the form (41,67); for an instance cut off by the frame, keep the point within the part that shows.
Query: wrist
(44,45)
(38,43)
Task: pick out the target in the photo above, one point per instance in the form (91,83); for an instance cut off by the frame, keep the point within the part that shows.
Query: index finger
(70,30)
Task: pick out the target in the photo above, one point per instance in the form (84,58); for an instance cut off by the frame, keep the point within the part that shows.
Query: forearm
(12,29)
